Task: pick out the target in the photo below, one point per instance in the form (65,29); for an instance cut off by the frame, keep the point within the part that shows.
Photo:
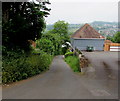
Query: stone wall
(84,62)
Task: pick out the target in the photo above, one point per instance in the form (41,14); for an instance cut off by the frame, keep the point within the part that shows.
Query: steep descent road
(60,82)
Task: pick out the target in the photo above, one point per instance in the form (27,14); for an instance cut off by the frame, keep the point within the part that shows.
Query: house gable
(87,31)
(87,36)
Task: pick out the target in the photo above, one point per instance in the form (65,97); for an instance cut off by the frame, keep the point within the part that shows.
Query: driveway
(60,82)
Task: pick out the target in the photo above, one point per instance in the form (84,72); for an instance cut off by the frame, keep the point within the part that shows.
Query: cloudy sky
(83,11)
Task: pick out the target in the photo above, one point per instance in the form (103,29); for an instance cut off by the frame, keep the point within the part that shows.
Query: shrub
(69,54)
(46,46)
(22,67)
(73,62)
(64,50)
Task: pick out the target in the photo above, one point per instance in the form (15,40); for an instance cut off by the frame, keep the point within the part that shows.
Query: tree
(46,46)
(22,21)
(55,39)
(116,37)
(58,36)
(61,27)
(110,38)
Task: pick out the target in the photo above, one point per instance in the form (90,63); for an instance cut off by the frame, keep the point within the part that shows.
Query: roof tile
(87,31)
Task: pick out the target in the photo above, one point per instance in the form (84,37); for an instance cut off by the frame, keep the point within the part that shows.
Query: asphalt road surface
(60,82)
(104,70)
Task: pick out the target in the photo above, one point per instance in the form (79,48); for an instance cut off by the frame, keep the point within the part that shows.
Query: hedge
(20,66)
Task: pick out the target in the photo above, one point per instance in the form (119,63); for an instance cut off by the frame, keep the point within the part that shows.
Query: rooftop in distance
(87,31)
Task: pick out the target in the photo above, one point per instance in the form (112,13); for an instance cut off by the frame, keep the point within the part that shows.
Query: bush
(64,50)
(11,70)
(22,67)
(73,62)
(46,46)
(69,54)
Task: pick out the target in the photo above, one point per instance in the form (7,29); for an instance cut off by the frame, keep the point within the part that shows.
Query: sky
(83,11)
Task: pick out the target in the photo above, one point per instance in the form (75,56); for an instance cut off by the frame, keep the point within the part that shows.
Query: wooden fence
(111,47)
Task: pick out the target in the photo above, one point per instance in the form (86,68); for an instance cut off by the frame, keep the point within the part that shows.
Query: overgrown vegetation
(24,22)
(21,22)
(115,38)
(52,41)
(73,62)
(20,66)
(69,54)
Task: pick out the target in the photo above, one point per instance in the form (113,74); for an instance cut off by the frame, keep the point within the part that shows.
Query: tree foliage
(110,38)
(58,36)
(115,38)
(46,46)
(61,27)
(22,21)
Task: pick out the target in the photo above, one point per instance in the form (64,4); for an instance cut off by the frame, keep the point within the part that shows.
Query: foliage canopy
(22,21)
(115,38)
(58,36)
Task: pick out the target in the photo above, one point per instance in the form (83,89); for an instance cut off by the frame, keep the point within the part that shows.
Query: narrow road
(60,82)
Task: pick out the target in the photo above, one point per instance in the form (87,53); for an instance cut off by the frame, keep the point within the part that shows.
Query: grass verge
(73,62)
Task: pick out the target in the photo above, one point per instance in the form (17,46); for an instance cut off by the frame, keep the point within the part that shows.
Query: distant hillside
(105,28)
(102,23)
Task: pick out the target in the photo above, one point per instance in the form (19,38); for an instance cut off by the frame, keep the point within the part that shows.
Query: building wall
(82,44)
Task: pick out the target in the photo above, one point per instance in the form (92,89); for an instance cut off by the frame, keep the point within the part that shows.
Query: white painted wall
(114,48)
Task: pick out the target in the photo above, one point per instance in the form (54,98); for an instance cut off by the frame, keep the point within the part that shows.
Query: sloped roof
(87,31)
(108,41)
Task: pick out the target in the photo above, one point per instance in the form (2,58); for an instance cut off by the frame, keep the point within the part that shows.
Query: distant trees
(110,38)
(22,21)
(115,38)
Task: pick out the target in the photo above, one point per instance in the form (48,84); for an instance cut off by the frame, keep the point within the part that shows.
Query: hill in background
(104,28)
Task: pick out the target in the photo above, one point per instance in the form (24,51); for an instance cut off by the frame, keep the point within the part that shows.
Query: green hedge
(22,67)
